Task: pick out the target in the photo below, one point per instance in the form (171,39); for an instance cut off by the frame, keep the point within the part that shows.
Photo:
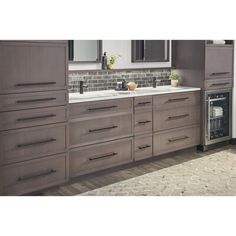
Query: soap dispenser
(104,61)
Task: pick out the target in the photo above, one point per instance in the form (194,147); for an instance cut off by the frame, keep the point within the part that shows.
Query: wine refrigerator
(217,116)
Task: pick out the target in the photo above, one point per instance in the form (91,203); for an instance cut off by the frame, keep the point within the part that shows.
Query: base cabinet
(25,177)
(101,156)
(173,140)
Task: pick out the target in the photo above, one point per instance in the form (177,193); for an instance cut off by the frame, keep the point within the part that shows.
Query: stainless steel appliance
(217,116)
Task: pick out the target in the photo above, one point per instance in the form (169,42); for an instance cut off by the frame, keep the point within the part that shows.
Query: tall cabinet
(33,115)
(208,65)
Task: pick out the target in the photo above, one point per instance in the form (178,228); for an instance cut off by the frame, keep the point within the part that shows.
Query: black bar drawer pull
(36,117)
(36,143)
(35,84)
(177,99)
(103,156)
(177,117)
(101,108)
(144,122)
(178,139)
(221,73)
(144,147)
(36,100)
(103,129)
(29,177)
(219,84)
(143,103)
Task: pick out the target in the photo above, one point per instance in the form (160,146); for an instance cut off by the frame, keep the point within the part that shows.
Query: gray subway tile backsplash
(104,80)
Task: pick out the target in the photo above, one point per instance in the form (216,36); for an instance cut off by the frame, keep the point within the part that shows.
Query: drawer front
(30,118)
(33,175)
(143,147)
(99,108)
(177,139)
(219,62)
(25,144)
(32,68)
(143,122)
(15,102)
(141,103)
(101,129)
(174,118)
(218,84)
(176,100)
(102,156)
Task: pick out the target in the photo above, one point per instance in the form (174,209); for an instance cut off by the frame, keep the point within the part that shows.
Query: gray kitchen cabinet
(219,62)
(123,130)
(29,67)
(33,115)
(100,156)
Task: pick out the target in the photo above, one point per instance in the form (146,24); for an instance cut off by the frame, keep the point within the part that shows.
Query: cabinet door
(219,62)
(27,67)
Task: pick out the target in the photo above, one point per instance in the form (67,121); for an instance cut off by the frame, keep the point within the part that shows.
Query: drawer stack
(176,122)
(143,126)
(33,115)
(100,135)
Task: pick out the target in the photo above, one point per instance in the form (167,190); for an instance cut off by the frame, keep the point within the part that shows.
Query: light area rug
(210,175)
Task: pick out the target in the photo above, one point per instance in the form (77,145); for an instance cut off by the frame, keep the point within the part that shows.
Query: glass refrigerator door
(218,115)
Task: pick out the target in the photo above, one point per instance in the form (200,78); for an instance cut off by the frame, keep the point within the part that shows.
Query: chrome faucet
(82,86)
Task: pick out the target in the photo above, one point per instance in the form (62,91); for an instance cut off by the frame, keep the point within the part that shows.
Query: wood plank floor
(103,178)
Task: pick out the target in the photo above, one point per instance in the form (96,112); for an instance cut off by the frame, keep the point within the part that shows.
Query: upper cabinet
(150,50)
(219,61)
(85,51)
(33,66)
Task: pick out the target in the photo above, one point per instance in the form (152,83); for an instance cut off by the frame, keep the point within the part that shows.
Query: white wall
(234,97)
(123,48)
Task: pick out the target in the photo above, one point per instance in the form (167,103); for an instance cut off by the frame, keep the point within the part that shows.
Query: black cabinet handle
(30,177)
(177,117)
(36,100)
(177,99)
(219,84)
(36,117)
(178,139)
(103,156)
(143,103)
(103,129)
(36,143)
(144,147)
(35,84)
(144,122)
(101,108)
(220,73)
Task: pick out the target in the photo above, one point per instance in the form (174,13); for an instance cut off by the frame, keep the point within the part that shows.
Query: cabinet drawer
(176,100)
(168,141)
(142,147)
(15,102)
(102,156)
(218,84)
(25,144)
(33,117)
(174,118)
(219,62)
(84,132)
(143,122)
(141,103)
(32,67)
(29,176)
(84,109)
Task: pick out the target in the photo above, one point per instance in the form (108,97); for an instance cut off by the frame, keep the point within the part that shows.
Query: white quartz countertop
(112,94)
